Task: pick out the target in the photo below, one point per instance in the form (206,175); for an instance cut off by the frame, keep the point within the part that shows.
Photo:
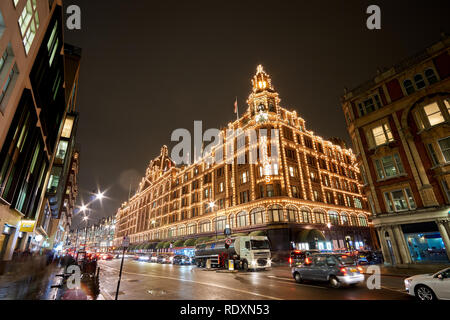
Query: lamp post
(212,205)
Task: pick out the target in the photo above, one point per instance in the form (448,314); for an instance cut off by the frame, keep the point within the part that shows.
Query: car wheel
(334,282)
(424,293)
(245,266)
(298,277)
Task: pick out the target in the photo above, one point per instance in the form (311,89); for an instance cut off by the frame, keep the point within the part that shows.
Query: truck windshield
(259,244)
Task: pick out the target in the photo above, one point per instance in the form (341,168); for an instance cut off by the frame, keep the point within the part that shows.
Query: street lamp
(211,205)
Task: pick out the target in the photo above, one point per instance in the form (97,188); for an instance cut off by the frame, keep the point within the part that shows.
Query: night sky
(151,67)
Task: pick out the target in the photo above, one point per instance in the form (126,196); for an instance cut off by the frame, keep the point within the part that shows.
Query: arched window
(408,85)
(181,230)
(204,226)
(171,233)
(305,215)
(242,220)
(344,219)
(362,221)
(334,218)
(192,229)
(276,213)
(420,83)
(431,76)
(320,217)
(257,216)
(353,220)
(292,214)
(220,223)
(232,222)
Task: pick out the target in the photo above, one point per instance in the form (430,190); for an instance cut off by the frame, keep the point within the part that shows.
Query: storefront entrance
(425,243)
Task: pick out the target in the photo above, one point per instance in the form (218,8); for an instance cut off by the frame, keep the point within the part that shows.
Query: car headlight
(254,263)
(407,283)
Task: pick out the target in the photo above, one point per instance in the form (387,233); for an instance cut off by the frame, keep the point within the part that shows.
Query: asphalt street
(152,281)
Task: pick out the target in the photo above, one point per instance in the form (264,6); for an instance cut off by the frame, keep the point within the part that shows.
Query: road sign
(228,241)
(126,242)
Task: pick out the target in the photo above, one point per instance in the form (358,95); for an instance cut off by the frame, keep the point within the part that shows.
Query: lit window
(389,166)
(358,203)
(67,129)
(445,148)
(29,23)
(433,114)
(382,134)
(291,171)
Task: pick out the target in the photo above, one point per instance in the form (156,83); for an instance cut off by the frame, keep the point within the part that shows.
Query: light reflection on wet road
(151,281)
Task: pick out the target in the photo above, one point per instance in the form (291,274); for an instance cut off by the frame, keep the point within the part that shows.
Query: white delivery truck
(247,252)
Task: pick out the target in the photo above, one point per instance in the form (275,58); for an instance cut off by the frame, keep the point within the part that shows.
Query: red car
(106,256)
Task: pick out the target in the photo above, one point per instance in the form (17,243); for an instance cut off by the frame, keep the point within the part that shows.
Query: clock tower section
(263,102)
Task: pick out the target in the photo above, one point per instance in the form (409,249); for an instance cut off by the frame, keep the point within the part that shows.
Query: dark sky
(151,67)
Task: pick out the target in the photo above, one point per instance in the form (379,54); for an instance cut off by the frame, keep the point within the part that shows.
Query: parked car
(368,257)
(164,258)
(181,259)
(154,258)
(337,269)
(298,256)
(429,286)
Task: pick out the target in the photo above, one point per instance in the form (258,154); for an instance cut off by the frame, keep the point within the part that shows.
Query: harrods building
(307,197)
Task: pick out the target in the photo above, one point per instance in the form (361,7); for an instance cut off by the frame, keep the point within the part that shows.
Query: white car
(430,286)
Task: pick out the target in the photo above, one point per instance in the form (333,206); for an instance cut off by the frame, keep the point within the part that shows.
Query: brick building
(399,125)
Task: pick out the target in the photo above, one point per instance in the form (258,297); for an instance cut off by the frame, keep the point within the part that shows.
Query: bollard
(230,264)
(208,264)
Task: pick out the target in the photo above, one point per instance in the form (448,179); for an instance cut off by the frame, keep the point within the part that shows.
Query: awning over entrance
(310,235)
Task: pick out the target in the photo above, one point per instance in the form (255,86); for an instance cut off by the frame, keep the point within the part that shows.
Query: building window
(232,222)
(276,213)
(399,200)
(204,226)
(431,76)
(433,114)
(344,218)
(257,216)
(242,220)
(244,177)
(446,189)
(334,218)
(381,135)
(220,223)
(295,192)
(305,216)
(320,217)
(362,221)
(389,166)
(369,105)
(292,213)
(358,203)
(444,144)
(408,85)
(7,83)
(270,192)
(420,83)
(29,23)
(221,187)
(433,155)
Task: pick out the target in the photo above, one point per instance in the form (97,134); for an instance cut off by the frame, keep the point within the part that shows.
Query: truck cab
(253,251)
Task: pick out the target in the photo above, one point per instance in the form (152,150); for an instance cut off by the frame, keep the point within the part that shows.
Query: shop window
(257,216)
(242,220)
(334,218)
(276,214)
(362,221)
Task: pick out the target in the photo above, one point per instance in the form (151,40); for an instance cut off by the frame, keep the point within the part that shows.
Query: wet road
(151,281)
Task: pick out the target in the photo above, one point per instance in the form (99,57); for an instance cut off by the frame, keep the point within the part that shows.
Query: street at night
(152,281)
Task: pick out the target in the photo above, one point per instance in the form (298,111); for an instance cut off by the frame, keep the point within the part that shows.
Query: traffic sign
(228,241)
(126,242)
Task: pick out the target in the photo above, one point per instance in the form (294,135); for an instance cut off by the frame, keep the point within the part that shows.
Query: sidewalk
(408,270)
(31,280)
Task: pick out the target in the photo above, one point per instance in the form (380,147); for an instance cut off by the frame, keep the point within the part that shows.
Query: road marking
(300,284)
(396,290)
(104,291)
(198,282)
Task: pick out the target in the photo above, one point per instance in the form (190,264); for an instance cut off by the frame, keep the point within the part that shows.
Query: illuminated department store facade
(309,196)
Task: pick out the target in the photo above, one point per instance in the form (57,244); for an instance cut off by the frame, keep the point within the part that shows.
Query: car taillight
(344,271)
(307,260)
(360,269)
(290,260)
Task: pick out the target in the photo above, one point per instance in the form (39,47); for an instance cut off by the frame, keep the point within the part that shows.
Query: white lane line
(198,282)
(396,290)
(300,284)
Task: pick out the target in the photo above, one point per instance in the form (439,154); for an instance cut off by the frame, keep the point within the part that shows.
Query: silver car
(336,269)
